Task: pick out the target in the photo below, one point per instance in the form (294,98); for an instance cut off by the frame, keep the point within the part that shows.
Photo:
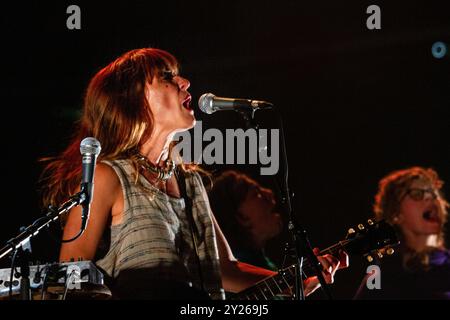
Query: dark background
(356,103)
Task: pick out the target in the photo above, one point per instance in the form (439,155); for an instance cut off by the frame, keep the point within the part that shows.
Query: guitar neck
(308,267)
(283,280)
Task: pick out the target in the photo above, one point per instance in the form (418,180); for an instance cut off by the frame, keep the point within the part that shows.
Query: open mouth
(431,216)
(187,102)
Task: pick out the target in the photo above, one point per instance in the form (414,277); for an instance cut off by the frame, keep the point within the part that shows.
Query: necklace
(163,174)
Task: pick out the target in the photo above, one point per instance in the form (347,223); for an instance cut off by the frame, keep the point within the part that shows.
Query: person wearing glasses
(412,200)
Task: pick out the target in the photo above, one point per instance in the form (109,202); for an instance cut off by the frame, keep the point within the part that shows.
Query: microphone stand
(21,247)
(299,237)
(32,230)
(24,255)
(249,117)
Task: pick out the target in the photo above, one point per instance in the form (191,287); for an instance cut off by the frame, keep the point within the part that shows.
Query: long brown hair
(115,112)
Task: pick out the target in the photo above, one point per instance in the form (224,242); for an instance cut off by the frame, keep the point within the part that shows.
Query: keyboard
(80,279)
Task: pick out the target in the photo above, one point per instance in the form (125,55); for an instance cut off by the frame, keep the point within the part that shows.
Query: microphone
(209,103)
(89,148)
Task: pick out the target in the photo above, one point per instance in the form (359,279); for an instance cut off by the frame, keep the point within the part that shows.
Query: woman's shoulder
(123,168)
(116,163)
(197,175)
(198,180)
(106,177)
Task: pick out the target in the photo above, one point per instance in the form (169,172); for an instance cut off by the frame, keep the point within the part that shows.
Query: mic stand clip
(249,117)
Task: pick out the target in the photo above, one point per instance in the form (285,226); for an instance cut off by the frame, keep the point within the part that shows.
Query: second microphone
(209,103)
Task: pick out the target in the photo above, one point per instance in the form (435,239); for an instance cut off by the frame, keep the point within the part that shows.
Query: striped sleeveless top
(154,238)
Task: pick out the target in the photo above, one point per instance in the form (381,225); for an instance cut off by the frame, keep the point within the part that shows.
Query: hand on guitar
(367,240)
(330,265)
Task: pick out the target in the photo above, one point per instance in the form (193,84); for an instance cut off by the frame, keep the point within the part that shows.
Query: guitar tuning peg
(370,222)
(390,251)
(379,254)
(351,231)
(369,258)
(360,226)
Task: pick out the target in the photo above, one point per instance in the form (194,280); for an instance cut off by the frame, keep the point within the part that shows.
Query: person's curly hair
(393,188)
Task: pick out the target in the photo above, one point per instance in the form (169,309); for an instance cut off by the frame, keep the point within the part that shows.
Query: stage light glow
(439,49)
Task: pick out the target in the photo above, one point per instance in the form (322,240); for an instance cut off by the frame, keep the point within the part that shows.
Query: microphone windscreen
(205,103)
(91,146)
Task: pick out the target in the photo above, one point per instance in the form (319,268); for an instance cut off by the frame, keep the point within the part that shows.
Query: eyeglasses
(419,194)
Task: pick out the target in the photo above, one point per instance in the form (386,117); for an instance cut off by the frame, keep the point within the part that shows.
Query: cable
(80,198)
(74,238)
(66,285)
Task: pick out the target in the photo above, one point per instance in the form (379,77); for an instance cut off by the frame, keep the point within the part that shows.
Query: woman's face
(257,213)
(170,103)
(421,210)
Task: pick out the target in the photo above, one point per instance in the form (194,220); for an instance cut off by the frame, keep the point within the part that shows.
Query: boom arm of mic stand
(40,223)
(249,117)
(299,235)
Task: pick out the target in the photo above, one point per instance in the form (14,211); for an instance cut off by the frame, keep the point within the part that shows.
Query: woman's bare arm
(107,196)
